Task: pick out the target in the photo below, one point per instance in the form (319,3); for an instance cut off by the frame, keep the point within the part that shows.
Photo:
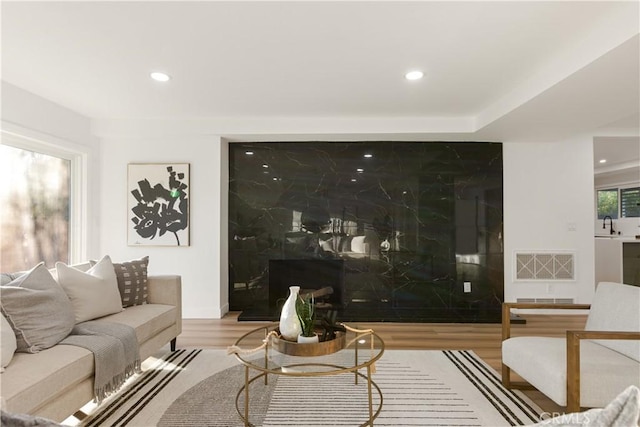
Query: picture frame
(158,197)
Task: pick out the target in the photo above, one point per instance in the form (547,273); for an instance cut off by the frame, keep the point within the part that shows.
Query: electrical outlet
(467,287)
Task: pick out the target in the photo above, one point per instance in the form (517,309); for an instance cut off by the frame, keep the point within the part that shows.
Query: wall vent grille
(545,266)
(546,300)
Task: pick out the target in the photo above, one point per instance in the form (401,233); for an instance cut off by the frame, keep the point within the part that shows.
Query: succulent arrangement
(306,310)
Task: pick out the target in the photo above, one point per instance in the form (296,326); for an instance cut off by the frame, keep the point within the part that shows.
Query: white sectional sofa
(54,383)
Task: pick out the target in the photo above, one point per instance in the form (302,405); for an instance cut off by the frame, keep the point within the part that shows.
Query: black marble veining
(409,222)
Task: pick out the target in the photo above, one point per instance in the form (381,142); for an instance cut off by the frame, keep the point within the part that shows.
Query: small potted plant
(306,309)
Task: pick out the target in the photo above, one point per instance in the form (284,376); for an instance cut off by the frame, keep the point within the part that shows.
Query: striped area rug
(419,388)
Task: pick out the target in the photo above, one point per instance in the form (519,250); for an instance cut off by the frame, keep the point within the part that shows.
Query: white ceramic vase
(307,340)
(290,326)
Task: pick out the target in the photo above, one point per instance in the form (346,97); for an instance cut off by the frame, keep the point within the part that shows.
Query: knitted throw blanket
(115,351)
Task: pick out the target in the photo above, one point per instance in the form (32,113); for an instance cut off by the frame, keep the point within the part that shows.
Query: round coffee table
(356,351)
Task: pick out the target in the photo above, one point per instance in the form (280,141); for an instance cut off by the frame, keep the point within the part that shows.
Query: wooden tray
(310,349)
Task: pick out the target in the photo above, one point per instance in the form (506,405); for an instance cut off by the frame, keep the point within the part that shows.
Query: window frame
(78,158)
(618,188)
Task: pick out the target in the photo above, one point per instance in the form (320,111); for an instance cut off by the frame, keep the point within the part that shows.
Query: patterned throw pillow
(132,281)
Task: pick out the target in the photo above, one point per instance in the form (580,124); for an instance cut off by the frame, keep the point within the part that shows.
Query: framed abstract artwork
(158,204)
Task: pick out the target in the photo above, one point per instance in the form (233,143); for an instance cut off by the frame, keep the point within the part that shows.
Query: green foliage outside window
(608,203)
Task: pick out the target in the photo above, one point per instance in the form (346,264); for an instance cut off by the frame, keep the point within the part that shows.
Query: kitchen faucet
(604,224)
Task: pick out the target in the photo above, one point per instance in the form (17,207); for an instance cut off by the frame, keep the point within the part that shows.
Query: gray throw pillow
(37,309)
(8,343)
(132,281)
(6,278)
(623,411)
(8,419)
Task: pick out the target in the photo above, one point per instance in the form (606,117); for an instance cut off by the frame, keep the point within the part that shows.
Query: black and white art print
(158,204)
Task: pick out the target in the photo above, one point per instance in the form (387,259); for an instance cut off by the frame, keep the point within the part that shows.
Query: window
(35,200)
(630,202)
(608,203)
(619,202)
(42,200)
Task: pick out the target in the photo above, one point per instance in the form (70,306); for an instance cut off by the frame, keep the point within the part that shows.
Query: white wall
(544,192)
(202,265)
(547,186)
(32,117)
(548,189)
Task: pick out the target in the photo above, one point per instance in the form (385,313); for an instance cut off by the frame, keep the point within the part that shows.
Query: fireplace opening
(310,275)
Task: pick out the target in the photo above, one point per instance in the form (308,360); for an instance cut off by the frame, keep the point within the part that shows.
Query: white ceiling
(622,154)
(494,70)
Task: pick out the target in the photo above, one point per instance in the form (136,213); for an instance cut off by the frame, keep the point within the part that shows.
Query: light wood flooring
(483,339)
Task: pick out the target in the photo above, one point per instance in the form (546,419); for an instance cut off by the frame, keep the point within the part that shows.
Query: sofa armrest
(166,289)
(573,359)
(507,306)
(573,339)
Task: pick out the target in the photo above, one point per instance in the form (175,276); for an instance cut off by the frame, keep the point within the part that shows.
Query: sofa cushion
(147,319)
(542,361)
(37,309)
(132,281)
(8,343)
(33,379)
(608,314)
(93,293)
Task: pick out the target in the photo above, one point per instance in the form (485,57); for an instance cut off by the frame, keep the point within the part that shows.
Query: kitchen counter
(617,259)
(621,238)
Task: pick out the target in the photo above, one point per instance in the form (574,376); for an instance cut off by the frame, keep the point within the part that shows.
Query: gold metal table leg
(356,362)
(370,395)
(246,396)
(266,359)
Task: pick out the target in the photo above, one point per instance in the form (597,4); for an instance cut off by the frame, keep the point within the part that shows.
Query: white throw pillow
(8,343)
(357,245)
(327,245)
(93,294)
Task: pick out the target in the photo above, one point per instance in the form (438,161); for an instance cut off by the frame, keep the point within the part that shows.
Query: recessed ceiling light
(368,156)
(414,75)
(249,153)
(359,170)
(264,165)
(353,180)
(603,160)
(160,77)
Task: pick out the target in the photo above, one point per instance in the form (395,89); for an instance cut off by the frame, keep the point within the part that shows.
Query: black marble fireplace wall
(416,226)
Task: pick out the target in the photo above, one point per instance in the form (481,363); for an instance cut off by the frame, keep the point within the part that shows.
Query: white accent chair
(588,368)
